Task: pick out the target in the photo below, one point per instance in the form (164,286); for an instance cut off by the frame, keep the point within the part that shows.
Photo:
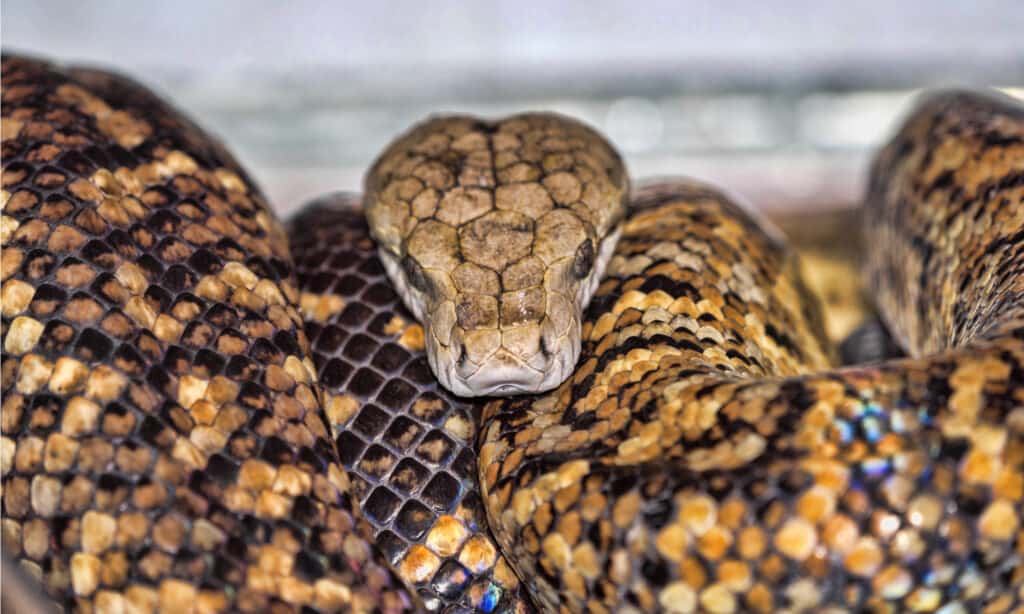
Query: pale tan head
(496,235)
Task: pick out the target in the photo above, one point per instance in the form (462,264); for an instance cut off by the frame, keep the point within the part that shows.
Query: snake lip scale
(204,408)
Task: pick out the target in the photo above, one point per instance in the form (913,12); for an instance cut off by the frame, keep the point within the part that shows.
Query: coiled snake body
(179,405)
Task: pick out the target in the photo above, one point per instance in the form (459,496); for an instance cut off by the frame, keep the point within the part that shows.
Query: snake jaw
(604,255)
(413,299)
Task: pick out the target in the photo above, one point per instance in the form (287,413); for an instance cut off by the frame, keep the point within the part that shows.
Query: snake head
(496,235)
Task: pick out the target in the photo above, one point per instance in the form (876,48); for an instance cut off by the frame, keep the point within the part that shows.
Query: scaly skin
(163,440)
(496,234)
(409,445)
(702,457)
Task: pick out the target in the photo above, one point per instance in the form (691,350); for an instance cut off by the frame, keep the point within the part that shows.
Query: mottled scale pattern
(164,445)
(703,457)
(944,200)
(408,444)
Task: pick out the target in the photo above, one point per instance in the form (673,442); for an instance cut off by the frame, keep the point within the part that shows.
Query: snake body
(702,456)
(163,440)
(185,421)
(408,444)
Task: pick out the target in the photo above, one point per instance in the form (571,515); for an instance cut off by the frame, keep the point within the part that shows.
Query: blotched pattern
(496,234)
(408,445)
(163,440)
(701,459)
(945,200)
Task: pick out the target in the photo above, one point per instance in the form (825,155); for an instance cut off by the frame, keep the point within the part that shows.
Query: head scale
(496,235)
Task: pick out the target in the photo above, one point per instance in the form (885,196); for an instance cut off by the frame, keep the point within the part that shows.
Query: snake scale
(196,418)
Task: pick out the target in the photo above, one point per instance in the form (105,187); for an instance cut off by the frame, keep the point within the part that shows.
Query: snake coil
(195,415)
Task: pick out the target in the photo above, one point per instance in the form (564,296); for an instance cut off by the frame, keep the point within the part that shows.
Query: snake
(206,409)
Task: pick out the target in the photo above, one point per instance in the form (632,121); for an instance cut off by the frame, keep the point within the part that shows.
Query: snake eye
(415,274)
(584,260)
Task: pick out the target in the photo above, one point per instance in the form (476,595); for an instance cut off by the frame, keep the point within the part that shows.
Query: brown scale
(407,443)
(163,439)
(703,457)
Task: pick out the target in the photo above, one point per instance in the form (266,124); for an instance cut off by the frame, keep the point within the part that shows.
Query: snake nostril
(463,356)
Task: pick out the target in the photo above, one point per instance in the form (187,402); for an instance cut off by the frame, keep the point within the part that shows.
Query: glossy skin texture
(163,439)
(496,234)
(703,457)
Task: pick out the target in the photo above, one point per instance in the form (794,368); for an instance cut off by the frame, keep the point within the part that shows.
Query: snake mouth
(502,373)
(521,360)
(503,379)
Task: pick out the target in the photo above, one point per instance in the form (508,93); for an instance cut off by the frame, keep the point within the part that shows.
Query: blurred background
(781,102)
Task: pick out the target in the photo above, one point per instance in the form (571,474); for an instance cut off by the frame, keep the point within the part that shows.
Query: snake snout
(505,374)
(525,359)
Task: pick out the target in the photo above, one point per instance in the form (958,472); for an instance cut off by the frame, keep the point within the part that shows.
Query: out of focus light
(850,120)
(1016,92)
(784,102)
(634,124)
(738,121)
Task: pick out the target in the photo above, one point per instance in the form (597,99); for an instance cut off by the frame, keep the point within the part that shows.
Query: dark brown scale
(407,443)
(153,454)
(672,473)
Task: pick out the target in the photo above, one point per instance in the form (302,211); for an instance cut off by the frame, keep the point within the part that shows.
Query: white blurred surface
(260,34)
(781,101)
